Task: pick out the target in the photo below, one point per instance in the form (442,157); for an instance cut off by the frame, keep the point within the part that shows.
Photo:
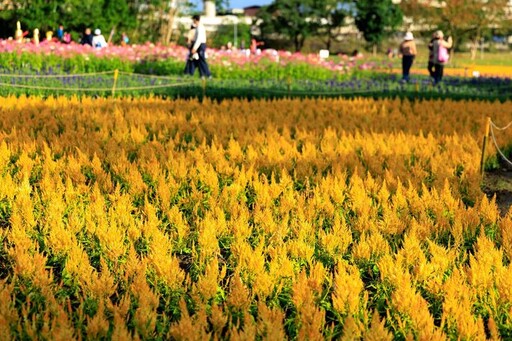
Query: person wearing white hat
(408,52)
(98,41)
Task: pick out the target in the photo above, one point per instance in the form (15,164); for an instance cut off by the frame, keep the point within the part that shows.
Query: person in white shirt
(199,47)
(98,41)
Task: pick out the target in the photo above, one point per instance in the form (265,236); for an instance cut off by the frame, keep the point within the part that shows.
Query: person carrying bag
(440,55)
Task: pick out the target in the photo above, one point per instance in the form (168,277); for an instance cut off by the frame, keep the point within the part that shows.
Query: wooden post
(204,88)
(484,147)
(116,74)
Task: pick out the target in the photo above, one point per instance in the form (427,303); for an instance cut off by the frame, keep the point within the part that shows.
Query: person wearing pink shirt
(440,55)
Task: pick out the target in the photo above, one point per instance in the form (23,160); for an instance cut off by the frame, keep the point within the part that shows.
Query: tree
(377,19)
(460,18)
(75,15)
(142,19)
(221,5)
(155,18)
(295,19)
(169,10)
(333,14)
(118,15)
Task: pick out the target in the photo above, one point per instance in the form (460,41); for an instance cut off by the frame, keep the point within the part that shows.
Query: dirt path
(499,183)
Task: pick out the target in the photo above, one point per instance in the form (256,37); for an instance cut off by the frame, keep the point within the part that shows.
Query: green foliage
(30,62)
(221,4)
(377,19)
(76,15)
(295,19)
(226,33)
(335,13)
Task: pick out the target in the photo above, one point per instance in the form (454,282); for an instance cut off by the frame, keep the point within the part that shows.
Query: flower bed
(158,59)
(320,219)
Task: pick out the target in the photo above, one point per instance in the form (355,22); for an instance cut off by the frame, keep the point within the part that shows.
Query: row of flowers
(146,51)
(235,58)
(293,219)
(227,58)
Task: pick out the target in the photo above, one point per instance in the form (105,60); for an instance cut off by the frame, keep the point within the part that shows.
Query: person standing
(124,39)
(60,32)
(440,55)
(67,38)
(254,46)
(199,47)
(190,66)
(98,41)
(87,37)
(36,36)
(408,52)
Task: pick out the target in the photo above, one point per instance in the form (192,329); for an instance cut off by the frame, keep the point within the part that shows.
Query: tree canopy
(459,18)
(299,19)
(334,14)
(74,14)
(295,19)
(377,19)
(143,18)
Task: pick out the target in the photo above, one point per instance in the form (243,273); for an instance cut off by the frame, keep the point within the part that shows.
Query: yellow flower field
(468,71)
(301,219)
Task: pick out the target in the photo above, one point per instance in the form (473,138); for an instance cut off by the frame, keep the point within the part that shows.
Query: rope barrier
(113,86)
(36,87)
(503,128)
(493,126)
(110,88)
(148,87)
(158,86)
(143,75)
(13,75)
(154,86)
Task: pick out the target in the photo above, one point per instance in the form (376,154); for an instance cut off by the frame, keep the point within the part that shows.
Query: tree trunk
(328,43)
(474,48)
(170,25)
(297,43)
(302,41)
(375,50)
(162,24)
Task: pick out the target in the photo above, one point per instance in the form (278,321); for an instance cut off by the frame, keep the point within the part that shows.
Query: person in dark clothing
(190,66)
(199,47)
(408,52)
(440,55)
(87,37)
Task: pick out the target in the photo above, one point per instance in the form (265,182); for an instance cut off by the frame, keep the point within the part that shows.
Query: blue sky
(239,3)
(245,3)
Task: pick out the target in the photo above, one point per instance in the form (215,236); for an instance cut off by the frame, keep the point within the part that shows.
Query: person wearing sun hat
(98,41)
(440,55)
(408,51)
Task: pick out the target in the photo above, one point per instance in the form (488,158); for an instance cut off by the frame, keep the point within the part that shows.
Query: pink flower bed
(149,51)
